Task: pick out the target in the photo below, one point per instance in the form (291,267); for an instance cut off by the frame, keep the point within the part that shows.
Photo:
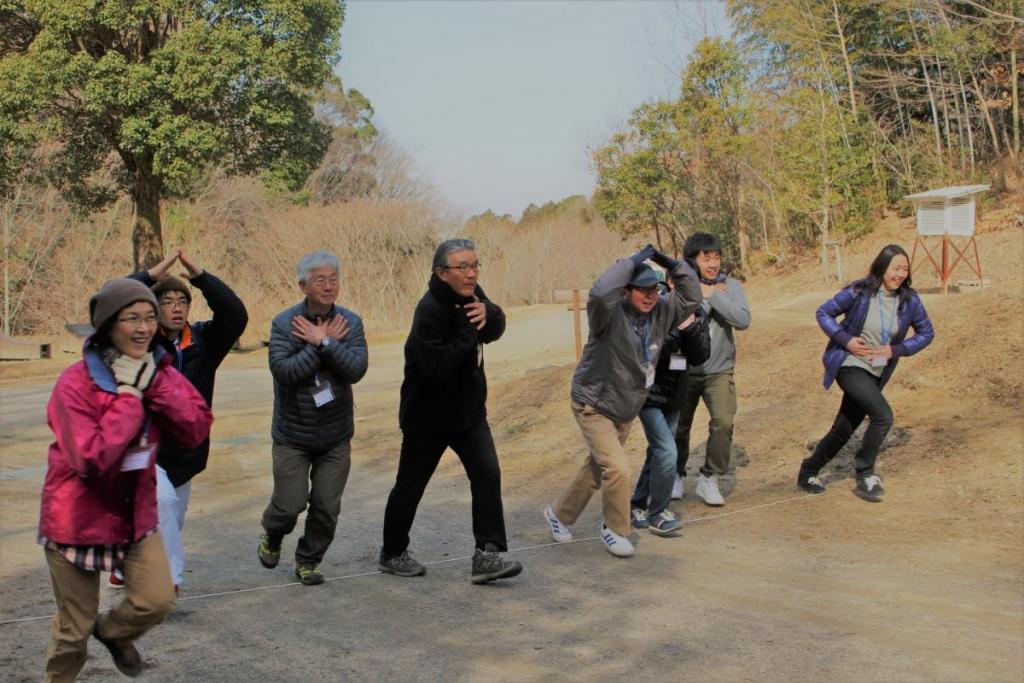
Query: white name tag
(649,372)
(322,395)
(677,362)
(879,361)
(138,458)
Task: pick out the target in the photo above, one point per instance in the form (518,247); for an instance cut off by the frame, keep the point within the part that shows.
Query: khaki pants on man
(606,468)
(149,597)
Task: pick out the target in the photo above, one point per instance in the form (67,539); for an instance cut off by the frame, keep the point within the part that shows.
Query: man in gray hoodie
(725,304)
(628,319)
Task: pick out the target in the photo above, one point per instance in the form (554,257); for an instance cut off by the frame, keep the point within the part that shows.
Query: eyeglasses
(321,281)
(135,321)
(171,303)
(464,267)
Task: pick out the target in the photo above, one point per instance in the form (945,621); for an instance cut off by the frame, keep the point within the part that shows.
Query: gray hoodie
(610,376)
(728,310)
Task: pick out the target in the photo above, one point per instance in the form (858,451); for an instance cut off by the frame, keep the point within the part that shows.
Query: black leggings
(861,396)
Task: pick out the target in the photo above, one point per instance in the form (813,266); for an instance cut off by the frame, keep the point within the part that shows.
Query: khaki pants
(149,597)
(606,468)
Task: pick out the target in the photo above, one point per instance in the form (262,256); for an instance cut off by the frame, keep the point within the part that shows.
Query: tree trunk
(928,85)
(967,117)
(1015,98)
(846,59)
(147,239)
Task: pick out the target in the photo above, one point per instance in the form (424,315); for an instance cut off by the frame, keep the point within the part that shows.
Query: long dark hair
(877,271)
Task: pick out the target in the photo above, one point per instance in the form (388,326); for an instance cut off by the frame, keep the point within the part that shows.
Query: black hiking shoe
(403,564)
(269,551)
(811,484)
(869,488)
(488,565)
(126,658)
(309,574)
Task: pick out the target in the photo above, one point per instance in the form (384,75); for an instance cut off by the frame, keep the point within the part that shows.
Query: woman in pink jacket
(108,412)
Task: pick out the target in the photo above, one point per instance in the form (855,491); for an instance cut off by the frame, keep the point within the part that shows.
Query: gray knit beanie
(117,294)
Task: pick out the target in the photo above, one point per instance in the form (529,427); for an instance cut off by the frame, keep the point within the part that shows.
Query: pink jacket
(86,499)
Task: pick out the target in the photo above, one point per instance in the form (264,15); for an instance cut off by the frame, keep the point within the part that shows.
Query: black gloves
(647,252)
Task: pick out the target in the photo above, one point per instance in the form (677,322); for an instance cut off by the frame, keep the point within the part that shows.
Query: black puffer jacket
(209,341)
(694,343)
(297,367)
(445,388)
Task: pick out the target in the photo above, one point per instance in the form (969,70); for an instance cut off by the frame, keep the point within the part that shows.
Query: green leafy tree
(143,96)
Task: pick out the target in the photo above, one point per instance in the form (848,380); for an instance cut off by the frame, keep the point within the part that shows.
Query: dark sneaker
(664,524)
(488,566)
(870,488)
(309,574)
(400,565)
(810,484)
(269,551)
(638,518)
(126,658)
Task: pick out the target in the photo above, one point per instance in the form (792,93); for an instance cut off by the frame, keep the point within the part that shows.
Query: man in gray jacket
(317,352)
(628,319)
(725,304)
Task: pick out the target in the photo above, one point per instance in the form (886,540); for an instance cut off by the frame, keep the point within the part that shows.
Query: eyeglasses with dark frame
(135,321)
(171,303)
(464,267)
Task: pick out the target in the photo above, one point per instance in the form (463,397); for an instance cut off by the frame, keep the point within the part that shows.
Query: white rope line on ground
(436,563)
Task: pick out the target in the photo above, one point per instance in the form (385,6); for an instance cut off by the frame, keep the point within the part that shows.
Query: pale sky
(498,101)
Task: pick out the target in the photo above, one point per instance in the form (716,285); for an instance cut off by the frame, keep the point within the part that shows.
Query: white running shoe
(619,546)
(677,488)
(707,488)
(559,531)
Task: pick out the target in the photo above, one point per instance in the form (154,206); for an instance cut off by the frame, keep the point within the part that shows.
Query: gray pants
(719,394)
(316,478)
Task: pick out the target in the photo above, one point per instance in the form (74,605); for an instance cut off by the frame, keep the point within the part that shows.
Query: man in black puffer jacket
(443,404)
(317,352)
(198,349)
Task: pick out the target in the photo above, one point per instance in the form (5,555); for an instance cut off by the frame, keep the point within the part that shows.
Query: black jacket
(298,367)
(694,343)
(445,388)
(211,340)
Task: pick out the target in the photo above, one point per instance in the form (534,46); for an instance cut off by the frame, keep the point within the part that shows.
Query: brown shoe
(126,657)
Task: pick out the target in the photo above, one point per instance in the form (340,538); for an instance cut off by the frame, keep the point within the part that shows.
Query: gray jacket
(728,310)
(610,376)
(298,367)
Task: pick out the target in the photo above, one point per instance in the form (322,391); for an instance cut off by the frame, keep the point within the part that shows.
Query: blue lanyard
(645,338)
(886,331)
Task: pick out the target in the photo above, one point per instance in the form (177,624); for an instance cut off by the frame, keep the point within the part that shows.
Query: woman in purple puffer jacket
(861,354)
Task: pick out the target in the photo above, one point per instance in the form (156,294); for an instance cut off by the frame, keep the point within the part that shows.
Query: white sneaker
(559,531)
(619,546)
(707,488)
(677,488)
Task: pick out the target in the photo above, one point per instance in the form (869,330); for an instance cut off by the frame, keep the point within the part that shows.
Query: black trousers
(861,396)
(421,451)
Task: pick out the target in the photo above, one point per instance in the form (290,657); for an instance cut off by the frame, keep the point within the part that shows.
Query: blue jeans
(659,472)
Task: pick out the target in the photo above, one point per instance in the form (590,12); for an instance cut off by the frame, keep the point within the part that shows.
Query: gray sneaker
(488,565)
(400,565)
(870,488)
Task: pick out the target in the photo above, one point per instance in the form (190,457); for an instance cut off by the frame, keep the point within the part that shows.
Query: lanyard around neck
(886,332)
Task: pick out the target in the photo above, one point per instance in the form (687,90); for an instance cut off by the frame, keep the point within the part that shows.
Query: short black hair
(700,241)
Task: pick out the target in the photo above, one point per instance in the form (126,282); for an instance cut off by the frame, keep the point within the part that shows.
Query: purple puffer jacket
(853,302)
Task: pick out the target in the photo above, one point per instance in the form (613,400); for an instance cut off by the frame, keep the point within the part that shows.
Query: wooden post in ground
(575,308)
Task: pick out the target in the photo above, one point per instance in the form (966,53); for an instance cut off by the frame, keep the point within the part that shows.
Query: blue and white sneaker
(559,531)
(664,524)
(638,518)
(619,546)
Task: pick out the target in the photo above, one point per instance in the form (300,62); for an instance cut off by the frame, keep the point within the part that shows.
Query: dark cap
(115,295)
(643,277)
(171,284)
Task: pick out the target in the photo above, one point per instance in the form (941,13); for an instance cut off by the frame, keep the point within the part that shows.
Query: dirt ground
(775,586)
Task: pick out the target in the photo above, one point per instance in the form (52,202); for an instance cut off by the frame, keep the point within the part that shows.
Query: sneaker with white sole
(663,524)
(559,531)
(870,488)
(677,488)
(116,579)
(707,488)
(638,518)
(811,484)
(619,546)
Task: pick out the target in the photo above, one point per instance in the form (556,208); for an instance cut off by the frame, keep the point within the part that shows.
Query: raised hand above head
(160,270)
(192,270)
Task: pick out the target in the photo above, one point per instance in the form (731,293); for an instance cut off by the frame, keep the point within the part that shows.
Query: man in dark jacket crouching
(317,352)
(443,405)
